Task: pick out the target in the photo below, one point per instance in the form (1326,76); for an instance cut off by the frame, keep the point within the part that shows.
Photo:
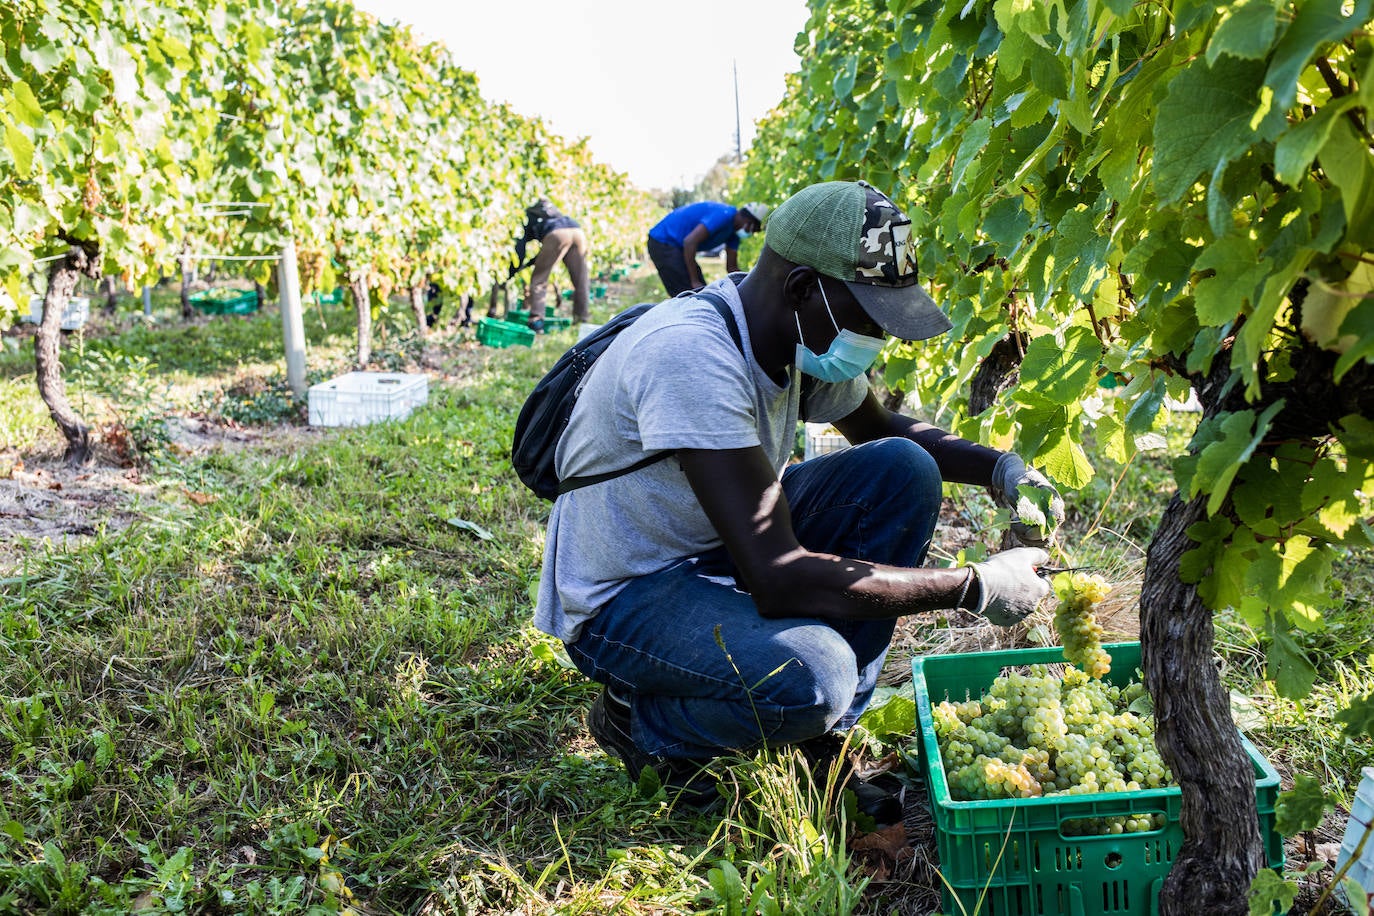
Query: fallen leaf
(475,528)
(879,853)
(200,499)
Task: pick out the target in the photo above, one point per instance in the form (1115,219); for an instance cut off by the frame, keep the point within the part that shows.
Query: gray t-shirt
(672,380)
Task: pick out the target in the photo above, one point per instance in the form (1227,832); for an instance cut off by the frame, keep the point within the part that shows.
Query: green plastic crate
(225,301)
(517,316)
(333,298)
(494,332)
(554,323)
(599,292)
(1041,871)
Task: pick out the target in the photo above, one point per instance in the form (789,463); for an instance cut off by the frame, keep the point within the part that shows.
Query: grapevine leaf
(975,140)
(1210,115)
(1302,807)
(1271,893)
(1345,159)
(1061,372)
(1357,896)
(1141,417)
(1357,435)
(1299,145)
(1006,222)
(1079,246)
(21,150)
(1246,30)
(1359,323)
(1239,270)
(891,712)
(1358,717)
(1240,435)
(1065,460)
(1315,23)
(1289,667)
(26,106)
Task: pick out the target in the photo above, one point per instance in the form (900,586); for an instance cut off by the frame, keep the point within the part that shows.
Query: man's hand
(1008,586)
(1035,514)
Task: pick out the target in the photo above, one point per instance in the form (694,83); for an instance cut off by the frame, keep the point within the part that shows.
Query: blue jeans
(706,673)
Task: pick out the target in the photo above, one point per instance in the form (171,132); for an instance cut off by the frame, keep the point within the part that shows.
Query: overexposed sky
(648,82)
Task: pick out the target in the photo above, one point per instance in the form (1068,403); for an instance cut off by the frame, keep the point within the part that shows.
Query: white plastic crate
(1361,814)
(358,398)
(75,315)
(822,439)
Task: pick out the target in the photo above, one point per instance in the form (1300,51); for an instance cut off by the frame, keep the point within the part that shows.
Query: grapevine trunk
(1221,852)
(362,304)
(417,304)
(47,352)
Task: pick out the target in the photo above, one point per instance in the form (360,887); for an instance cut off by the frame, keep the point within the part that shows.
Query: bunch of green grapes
(1038,733)
(1078,628)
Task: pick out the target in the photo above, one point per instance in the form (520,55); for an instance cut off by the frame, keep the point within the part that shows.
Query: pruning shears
(1047,571)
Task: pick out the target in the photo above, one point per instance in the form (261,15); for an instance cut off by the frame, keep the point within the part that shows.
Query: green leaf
(465,525)
(1246,30)
(892,714)
(1345,159)
(1289,668)
(1239,436)
(1358,717)
(21,150)
(844,80)
(1270,893)
(1239,271)
(1300,144)
(1061,372)
(1065,461)
(1210,115)
(1315,23)
(974,141)
(26,106)
(1141,416)
(1302,807)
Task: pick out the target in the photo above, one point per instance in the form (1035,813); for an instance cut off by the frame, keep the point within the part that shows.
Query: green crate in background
(224,301)
(1041,871)
(517,316)
(494,332)
(554,323)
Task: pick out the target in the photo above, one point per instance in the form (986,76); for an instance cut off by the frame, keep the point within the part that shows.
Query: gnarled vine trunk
(362,306)
(80,259)
(188,276)
(1221,851)
(417,305)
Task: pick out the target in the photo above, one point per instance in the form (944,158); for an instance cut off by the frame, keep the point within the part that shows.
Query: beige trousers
(570,247)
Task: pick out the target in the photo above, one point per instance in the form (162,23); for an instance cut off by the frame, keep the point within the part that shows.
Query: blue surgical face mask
(742,233)
(849,356)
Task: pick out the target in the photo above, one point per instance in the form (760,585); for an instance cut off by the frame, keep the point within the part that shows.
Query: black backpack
(549,407)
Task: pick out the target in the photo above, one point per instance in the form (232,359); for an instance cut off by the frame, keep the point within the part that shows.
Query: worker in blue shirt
(676,239)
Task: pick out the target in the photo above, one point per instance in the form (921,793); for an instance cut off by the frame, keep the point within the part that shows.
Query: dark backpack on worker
(549,407)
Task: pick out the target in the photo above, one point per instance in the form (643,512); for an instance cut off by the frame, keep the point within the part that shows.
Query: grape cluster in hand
(1038,734)
(1076,623)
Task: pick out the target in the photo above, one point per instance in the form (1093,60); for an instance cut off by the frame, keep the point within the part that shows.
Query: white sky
(648,82)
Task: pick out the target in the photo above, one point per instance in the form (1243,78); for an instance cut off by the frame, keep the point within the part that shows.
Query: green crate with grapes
(1074,814)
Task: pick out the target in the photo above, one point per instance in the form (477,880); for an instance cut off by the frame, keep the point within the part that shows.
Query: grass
(316,688)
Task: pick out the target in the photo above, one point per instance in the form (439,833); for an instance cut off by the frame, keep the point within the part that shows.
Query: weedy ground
(253,667)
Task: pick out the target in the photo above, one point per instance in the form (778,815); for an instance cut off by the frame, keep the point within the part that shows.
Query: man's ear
(799,286)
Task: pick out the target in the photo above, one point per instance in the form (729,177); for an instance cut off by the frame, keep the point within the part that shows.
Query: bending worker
(725,599)
(675,240)
(560,238)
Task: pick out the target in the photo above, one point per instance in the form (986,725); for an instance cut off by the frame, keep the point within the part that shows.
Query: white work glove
(1034,516)
(1009,588)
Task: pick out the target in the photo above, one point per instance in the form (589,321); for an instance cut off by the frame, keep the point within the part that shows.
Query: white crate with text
(75,315)
(822,439)
(358,398)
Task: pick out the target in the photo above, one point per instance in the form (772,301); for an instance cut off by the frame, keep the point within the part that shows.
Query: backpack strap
(577,483)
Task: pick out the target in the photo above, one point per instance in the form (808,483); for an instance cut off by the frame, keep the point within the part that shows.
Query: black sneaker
(880,798)
(686,780)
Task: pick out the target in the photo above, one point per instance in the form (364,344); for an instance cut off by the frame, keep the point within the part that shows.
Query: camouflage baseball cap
(851,231)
